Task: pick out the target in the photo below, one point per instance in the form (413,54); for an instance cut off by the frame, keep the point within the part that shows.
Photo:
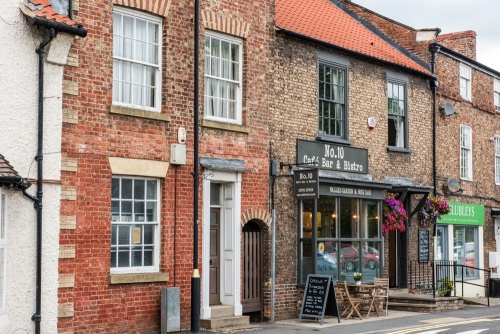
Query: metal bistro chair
(382,294)
(351,305)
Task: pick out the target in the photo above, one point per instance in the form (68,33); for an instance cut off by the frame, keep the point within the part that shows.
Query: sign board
(423,245)
(319,298)
(306,183)
(332,156)
(351,191)
(463,214)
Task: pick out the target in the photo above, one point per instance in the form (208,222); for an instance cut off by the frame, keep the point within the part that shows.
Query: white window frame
(156,239)
(119,61)
(465,152)
(466,82)
(3,248)
(330,123)
(496,94)
(239,82)
(400,119)
(497,160)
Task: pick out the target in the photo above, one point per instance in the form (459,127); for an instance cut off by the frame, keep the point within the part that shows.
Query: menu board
(423,245)
(319,296)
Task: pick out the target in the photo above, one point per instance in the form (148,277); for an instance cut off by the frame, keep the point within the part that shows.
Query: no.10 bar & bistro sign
(332,156)
(306,183)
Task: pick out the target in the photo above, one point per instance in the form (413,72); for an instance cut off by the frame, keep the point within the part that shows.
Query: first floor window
(496,94)
(3,248)
(465,81)
(397,114)
(332,96)
(497,160)
(223,77)
(466,250)
(136,59)
(465,152)
(134,224)
(348,238)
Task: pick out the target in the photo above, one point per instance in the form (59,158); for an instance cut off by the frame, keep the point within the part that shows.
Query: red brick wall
(463,42)
(135,308)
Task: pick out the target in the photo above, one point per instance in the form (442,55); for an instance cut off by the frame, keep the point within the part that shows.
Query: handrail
(427,276)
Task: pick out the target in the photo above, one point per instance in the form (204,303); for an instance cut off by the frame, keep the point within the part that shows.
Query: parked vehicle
(371,257)
(327,264)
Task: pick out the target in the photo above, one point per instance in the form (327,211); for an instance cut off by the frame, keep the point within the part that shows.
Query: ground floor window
(466,250)
(134,224)
(348,238)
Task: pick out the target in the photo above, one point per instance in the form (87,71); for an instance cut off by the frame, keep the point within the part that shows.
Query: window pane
(215,194)
(139,189)
(148,255)
(148,234)
(136,256)
(348,217)
(124,235)
(138,211)
(126,188)
(114,232)
(115,188)
(115,211)
(152,186)
(151,211)
(123,257)
(305,260)
(370,219)
(126,211)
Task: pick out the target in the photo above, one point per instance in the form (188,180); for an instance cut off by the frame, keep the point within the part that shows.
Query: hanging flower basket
(433,209)
(394,214)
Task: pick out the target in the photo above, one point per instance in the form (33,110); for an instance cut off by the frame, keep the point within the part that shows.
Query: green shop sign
(464,214)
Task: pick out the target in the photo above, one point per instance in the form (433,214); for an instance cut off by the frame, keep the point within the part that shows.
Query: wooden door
(214,256)
(252,267)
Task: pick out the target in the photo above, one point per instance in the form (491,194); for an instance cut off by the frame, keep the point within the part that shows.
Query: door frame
(230,273)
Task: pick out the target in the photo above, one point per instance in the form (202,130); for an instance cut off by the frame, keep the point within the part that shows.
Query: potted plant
(357,278)
(446,287)
(394,214)
(433,209)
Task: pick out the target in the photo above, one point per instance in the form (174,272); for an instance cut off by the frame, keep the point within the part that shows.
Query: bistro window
(134,224)
(332,100)
(348,238)
(466,250)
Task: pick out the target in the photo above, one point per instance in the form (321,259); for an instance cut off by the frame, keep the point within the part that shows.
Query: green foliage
(445,287)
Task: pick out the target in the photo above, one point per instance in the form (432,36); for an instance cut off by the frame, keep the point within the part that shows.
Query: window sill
(398,149)
(225,126)
(118,110)
(137,278)
(334,140)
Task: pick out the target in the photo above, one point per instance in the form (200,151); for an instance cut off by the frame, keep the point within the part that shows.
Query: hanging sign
(306,183)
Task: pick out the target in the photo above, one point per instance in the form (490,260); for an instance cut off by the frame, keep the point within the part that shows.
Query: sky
(481,16)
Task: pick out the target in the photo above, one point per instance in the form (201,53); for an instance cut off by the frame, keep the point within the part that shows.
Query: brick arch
(256,214)
(214,21)
(160,7)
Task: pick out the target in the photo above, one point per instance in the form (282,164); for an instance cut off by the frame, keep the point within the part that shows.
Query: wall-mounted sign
(423,245)
(306,183)
(332,156)
(464,214)
(343,190)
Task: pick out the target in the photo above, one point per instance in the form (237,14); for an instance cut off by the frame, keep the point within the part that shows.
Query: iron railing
(427,277)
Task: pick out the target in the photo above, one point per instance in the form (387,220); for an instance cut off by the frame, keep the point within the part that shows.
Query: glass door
(442,243)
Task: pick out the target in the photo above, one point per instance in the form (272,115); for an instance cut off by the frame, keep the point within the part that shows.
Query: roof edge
(357,54)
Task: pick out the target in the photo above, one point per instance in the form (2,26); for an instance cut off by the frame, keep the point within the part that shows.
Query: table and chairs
(357,298)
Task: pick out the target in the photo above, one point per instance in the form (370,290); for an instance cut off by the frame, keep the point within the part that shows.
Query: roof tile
(43,9)
(322,20)
(6,170)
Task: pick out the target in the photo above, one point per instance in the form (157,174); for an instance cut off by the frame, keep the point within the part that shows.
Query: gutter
(356,54)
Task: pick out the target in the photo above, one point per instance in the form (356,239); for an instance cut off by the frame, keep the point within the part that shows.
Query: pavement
(473,307)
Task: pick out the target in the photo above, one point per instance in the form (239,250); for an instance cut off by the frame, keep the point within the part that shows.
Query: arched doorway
(252,267)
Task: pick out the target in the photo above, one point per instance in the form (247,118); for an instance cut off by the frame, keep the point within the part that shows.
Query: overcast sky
(481,16)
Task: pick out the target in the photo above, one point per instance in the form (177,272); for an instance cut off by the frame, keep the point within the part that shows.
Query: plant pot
(447,294)
(358,282)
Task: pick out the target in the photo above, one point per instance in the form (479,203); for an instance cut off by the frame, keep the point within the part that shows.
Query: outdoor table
(365,291)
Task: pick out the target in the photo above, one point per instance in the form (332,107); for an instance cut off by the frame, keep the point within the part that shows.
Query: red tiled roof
(43,10)
(324,21)
(6,170)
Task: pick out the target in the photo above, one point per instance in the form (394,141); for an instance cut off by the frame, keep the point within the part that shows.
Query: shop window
(348,238)
(134,225)
(136,60)
(466,250)
(223,77)
(465,152)
(465,81)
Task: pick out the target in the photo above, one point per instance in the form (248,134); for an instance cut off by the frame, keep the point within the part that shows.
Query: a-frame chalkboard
(319,298)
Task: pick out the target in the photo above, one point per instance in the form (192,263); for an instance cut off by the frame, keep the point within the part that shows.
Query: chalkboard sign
(423,245)
(319,298)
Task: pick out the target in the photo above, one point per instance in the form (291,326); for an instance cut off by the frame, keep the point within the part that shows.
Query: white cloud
(480,16)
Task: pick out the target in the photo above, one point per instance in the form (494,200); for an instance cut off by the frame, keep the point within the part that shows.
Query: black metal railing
(429,277)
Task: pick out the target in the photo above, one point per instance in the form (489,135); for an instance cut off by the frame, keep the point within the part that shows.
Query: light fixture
(452,186)
(334,215)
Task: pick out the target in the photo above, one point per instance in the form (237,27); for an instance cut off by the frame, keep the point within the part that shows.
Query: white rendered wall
(18,144)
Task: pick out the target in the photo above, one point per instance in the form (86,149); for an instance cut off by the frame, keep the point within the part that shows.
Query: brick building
(467,130)
(356,105)
(127,207)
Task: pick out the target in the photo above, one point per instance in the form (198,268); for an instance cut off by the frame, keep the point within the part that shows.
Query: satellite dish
(453,185)
(448,109)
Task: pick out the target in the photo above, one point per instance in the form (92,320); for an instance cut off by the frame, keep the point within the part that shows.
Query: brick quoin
(100,307)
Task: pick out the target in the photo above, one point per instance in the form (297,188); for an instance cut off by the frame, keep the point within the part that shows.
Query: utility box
(494,259)
(494,287)
(170,310)
(178,154)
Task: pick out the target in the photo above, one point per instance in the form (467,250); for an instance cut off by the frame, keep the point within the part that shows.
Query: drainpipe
(434,48)
(37,317)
